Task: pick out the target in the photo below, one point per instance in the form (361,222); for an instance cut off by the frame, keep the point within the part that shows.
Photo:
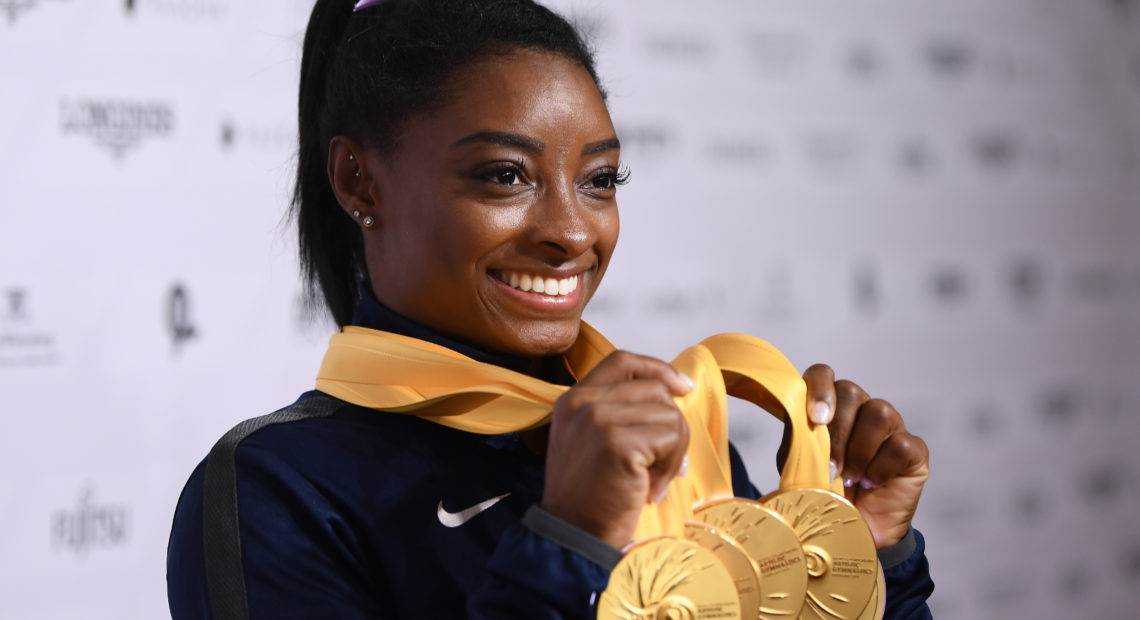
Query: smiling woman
(473,449)
(516,175)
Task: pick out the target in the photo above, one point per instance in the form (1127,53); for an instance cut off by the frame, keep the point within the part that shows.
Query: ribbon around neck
(397,374)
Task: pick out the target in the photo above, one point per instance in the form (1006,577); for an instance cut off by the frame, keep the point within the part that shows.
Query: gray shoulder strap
(221,538)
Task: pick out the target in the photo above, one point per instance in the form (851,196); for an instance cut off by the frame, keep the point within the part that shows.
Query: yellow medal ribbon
(398,374)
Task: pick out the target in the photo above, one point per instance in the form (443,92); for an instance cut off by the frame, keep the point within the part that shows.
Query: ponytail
(330,244)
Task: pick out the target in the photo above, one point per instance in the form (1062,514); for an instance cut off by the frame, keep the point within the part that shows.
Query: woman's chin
(544,339)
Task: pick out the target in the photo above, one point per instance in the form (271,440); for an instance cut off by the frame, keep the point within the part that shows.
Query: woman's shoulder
(318,432)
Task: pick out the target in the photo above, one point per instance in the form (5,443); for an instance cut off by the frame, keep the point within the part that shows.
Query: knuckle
(878,411)
(848,390)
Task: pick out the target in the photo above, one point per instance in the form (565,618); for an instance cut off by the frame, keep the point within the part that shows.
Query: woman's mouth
(533,283)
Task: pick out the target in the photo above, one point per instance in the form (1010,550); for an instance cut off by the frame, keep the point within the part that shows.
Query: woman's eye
(606,180)
(504,176)
(610,179)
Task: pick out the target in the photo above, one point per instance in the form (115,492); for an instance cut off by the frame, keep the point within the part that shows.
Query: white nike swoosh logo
(455,519)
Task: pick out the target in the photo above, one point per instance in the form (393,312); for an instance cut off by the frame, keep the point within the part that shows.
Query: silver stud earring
(356,171)
(356,213)
(368,221)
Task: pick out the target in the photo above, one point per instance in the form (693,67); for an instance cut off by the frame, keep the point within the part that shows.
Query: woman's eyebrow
(503,138)
(601,146)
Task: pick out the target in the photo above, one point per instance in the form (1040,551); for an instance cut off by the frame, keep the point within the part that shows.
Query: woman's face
(496,217)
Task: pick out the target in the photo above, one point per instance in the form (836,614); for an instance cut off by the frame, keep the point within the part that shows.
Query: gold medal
(774,547)
(838,548)
(735,559)
(669,579)
(877,606)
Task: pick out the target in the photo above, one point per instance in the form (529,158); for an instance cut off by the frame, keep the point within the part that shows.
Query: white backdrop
(938,199)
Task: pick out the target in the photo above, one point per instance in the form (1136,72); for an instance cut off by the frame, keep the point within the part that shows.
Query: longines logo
(21,344)
(117,125)
(89,525)
(13,8)
(178,319)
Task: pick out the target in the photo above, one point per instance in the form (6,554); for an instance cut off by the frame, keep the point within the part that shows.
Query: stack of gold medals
(802,551)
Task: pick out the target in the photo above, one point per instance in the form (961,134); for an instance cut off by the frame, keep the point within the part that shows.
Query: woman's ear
(351,181)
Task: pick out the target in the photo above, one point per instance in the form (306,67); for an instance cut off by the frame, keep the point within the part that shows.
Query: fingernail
(866,484)
(688,381)
(661,496)
(820,412)
(848,482)
(833,470)
(684,467)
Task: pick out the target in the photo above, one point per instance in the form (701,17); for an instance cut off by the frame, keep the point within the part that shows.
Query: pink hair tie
(364,4)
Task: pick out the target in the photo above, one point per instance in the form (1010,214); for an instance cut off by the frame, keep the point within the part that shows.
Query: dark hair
(364,75)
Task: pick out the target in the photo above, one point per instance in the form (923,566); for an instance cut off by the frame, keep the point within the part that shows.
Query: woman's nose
(561,223)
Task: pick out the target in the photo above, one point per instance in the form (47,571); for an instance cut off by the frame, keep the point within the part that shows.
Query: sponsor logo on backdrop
(90,525)
(949,284)
(178,321)
(13,8)
(915,156)
(190,9)
(1104,282)
(996,151)
(279,136)
(984,422)
(739,150)
(648,139)
(23,344)
(865,288)
(864,60)
(1105,483)
(1060,404)
(117,125)
(1029,504)
(776,291)
(687,302)
(831,151)
(1026,280)
(1130,562)
(678,46)
(776,53)
(1074,581)
(949,59)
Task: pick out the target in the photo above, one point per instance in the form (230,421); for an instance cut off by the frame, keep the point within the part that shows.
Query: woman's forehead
(526,91)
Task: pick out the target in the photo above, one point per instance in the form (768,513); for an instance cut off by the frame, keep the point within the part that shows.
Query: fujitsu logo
(14,7)
(90,525)
(116,124)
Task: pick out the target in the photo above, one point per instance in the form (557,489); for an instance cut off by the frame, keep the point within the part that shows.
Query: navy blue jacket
(329,510)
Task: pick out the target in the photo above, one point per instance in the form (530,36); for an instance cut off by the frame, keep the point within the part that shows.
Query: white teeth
(538,284)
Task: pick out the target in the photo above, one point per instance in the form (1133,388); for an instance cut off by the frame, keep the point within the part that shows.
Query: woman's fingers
(622,366)
(875,422)
(820,381)
(849,397)
(899,454)
(616,441)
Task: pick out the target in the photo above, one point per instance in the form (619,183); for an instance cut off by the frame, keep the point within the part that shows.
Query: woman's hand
(883,466)
(616,441)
